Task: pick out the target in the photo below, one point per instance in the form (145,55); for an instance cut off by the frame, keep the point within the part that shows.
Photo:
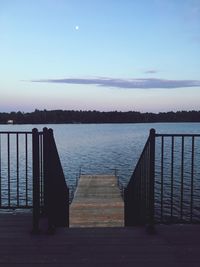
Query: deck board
(97,202)
(172,245)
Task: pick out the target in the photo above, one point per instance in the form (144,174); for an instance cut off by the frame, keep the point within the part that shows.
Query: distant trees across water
(73,116)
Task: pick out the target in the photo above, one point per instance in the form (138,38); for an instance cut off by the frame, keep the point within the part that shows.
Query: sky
(106,55)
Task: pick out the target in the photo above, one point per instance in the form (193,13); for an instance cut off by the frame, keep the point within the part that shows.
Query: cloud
(142,83)
(151,71)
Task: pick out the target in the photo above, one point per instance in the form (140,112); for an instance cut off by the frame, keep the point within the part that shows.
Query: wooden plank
(172,245)
(97,202)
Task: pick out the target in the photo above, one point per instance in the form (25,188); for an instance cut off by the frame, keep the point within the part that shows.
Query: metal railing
(50,191)
(139,194)
(165,185)
(177,178)
(31,176)
(15,170)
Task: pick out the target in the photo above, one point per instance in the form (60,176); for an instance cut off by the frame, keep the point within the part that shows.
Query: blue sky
(141,55)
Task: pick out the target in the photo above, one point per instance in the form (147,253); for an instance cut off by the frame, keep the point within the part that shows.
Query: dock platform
(97,202)
(171,245)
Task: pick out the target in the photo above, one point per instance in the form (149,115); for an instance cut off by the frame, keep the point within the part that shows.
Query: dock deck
(97,202)
(171,245)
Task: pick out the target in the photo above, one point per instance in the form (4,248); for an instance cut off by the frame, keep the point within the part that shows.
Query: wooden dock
(97,202)
(171,245)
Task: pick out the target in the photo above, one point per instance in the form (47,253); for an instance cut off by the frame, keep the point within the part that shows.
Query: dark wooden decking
(172,245)
(97,202)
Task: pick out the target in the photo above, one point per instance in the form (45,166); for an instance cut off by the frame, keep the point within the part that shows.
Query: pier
(38,226)
(97,202)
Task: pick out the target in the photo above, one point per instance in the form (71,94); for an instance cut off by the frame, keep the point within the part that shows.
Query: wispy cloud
(151,71)
(151,83)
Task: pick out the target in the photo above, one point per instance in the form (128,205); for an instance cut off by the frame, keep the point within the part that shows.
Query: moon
(77,27)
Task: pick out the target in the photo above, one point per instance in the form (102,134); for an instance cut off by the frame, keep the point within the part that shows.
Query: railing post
(50,183)
(47,154)
(36,181)
(152,178)
(45,168)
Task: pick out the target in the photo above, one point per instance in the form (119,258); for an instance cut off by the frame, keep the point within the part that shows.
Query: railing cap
(152,131)
(35,130)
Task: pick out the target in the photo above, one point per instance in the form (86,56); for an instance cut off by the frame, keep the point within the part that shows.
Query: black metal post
(152,179)
(0,170)
(45,169)
(48,169)
(9,185)
(36,181)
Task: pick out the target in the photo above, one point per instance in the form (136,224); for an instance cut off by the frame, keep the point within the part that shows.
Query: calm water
(102,148)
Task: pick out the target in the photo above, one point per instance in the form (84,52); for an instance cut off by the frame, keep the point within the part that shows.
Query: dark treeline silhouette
(72,116)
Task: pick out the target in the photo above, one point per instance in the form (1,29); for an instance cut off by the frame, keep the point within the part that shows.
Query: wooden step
(97,202)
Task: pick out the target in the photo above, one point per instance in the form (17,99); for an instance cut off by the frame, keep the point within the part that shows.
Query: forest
(75,116)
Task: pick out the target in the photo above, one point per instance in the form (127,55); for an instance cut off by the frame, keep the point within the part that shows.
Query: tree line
(75,116)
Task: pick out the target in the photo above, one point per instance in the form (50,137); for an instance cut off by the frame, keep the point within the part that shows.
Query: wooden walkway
(172,245)
(97,202)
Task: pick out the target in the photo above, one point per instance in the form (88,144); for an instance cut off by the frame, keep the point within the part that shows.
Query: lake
(102,148)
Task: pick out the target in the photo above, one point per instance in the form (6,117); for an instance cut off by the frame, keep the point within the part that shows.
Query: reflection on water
(99,148)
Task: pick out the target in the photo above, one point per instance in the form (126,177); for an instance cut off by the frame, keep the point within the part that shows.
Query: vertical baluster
(182,180)
(162,166)
(172,175)
(152,179)
(140,191)
(8,149)
(0,171)
(36,181)
(26,168)
(41,171)
(145,182)
(17,166)
(192,181)
(149,184)
(143,187)
(146,179)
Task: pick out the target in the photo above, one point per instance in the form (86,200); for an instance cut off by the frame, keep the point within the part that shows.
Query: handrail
(164,187)
(139,193)
(15,132)
(178,135)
